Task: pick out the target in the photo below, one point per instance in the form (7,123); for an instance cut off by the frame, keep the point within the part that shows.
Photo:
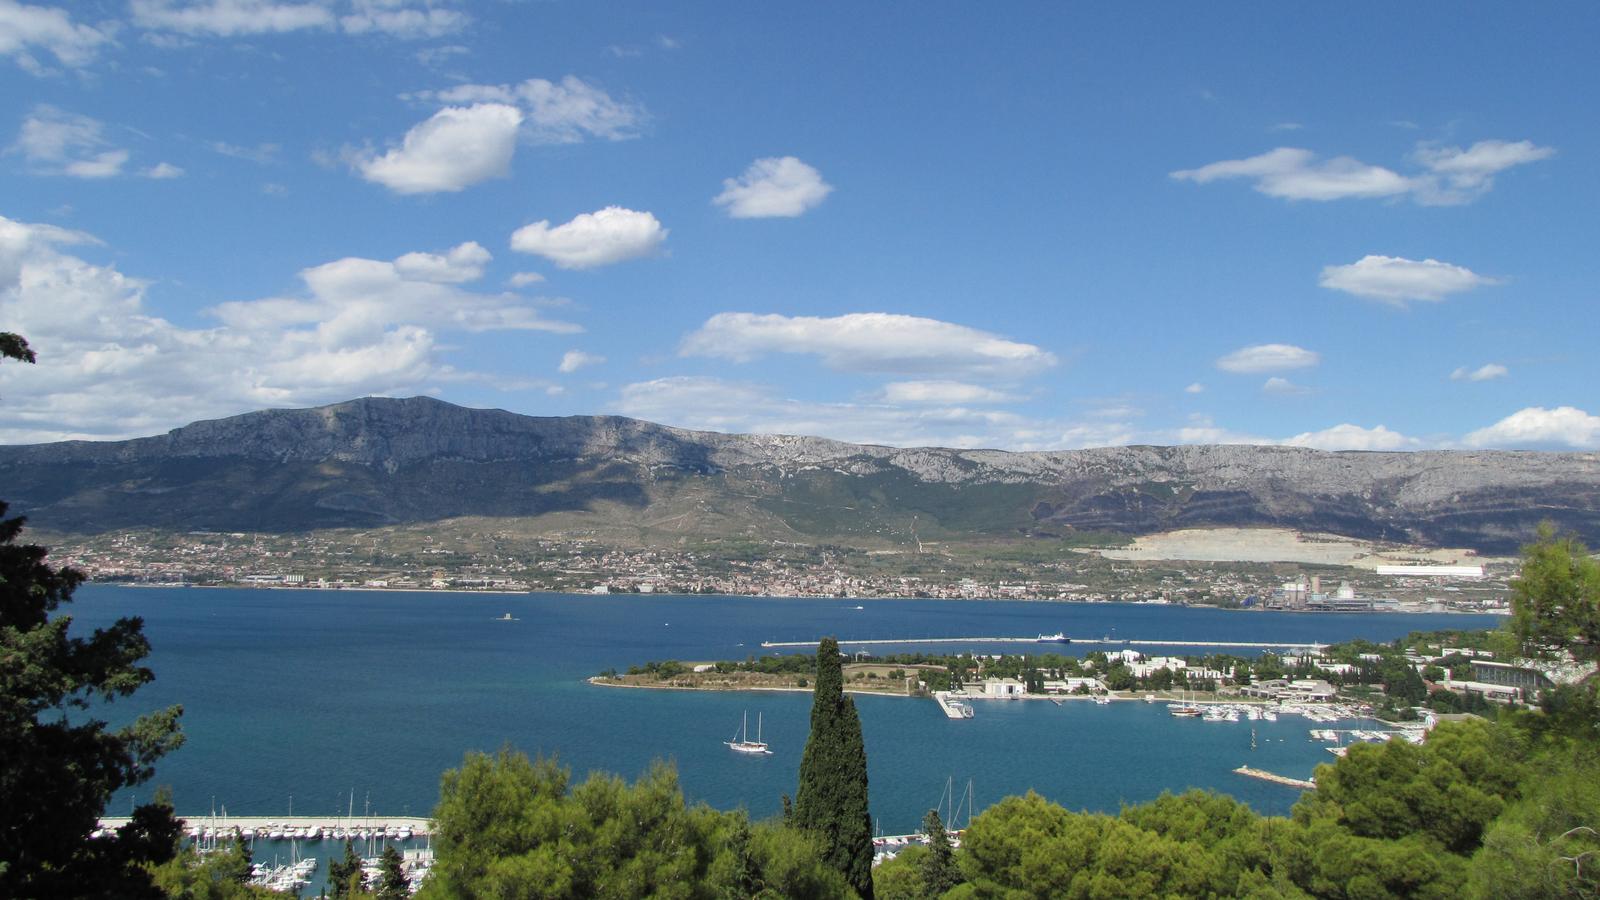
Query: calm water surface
(313,694)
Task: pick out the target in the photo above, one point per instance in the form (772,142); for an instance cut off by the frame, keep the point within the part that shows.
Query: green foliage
(1447,789)
(1547,844)
(508,826)
(831,802)
(1555,604)
(937,868)
(1028,847)
(344,875)
(58,763)
(222,875)
(392,881)
(900,878)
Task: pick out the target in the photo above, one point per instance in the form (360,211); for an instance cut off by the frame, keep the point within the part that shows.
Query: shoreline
(857,599)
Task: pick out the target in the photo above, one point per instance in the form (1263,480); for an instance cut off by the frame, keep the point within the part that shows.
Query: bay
(308,697)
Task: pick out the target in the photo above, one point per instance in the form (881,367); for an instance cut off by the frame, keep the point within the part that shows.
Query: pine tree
(344,876)
(938,870)
(831,802)
(392,882)
(59,763)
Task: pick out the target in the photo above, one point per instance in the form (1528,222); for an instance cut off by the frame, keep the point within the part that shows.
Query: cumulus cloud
(1296,174)
(27,30)
(452,150)
(109,368)
(1485,372)
(1268,358)
(1448,175)
(773,187)
(1195,388)
(942,392)
(163,171)
(600,238)
(869,342)
(1460,176)
(523,279)
(1396,280)
(1536,427)
(461,263)
(573,360)
(1354,437)
(405,19)
(564,112)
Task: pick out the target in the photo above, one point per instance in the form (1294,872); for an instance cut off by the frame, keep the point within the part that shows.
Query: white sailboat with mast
(741,742)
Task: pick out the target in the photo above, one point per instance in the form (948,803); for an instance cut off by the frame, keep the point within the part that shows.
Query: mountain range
(376,462)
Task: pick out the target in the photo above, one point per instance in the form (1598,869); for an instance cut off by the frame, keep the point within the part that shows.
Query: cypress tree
(939,872)
(831,802)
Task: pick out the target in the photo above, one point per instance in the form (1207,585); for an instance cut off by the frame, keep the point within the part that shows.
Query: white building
(1003,687)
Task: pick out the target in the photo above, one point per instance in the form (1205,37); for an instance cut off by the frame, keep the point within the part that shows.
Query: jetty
(1275,778)
(417,825)
(1241,645)
(953,708)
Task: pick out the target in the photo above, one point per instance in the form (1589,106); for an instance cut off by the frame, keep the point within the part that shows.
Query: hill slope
(373,462)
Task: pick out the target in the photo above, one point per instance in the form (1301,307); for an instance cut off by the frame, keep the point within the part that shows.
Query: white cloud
(454,149)
(1485,372)
(1202,430)
(1459,176)
(404,19)
(523,279)
(107,164)
(1354,437)
(1537,427)
(1195,388)
(1450,175)
(109,368)
(399,19)
(573,360)
(1268,358)
(1296,174)
(461,263)
(229,18)
(261,154)
(947,392)
(600,238)
(57,142)
(869,342)
(565,112)
(162,171)
(25,28)
(1283,387)
(715,404)
(1395,280)
(773,187)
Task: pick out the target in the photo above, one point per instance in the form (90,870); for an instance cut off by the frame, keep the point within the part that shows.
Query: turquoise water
(313,694)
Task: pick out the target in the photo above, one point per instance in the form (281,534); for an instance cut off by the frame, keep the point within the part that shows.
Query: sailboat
(743,744)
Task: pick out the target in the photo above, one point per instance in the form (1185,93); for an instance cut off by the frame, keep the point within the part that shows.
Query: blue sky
(1031,227)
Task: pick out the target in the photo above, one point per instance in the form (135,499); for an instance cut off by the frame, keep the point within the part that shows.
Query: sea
(319,701)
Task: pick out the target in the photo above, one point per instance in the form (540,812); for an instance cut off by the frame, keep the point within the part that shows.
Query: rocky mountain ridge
(378,461)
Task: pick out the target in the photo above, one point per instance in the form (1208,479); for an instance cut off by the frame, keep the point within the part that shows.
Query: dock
(419,826)
(953,709)
(1275,778)
(1241,645)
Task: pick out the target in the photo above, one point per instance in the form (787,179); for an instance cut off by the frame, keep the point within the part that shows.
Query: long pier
(1275,778)
(1239,645)
(417,824)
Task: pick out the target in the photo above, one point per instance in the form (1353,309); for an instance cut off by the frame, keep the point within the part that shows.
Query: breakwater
(1222,645)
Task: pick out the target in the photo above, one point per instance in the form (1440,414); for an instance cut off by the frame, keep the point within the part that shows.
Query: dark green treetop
(831,802)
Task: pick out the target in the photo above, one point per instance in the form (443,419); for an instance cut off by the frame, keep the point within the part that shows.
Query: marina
(439,677)
(298,828)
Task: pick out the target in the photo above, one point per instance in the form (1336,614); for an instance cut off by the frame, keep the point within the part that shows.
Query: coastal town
(508,562)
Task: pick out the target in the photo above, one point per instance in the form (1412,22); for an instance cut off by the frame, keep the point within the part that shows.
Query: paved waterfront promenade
(1237,645)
